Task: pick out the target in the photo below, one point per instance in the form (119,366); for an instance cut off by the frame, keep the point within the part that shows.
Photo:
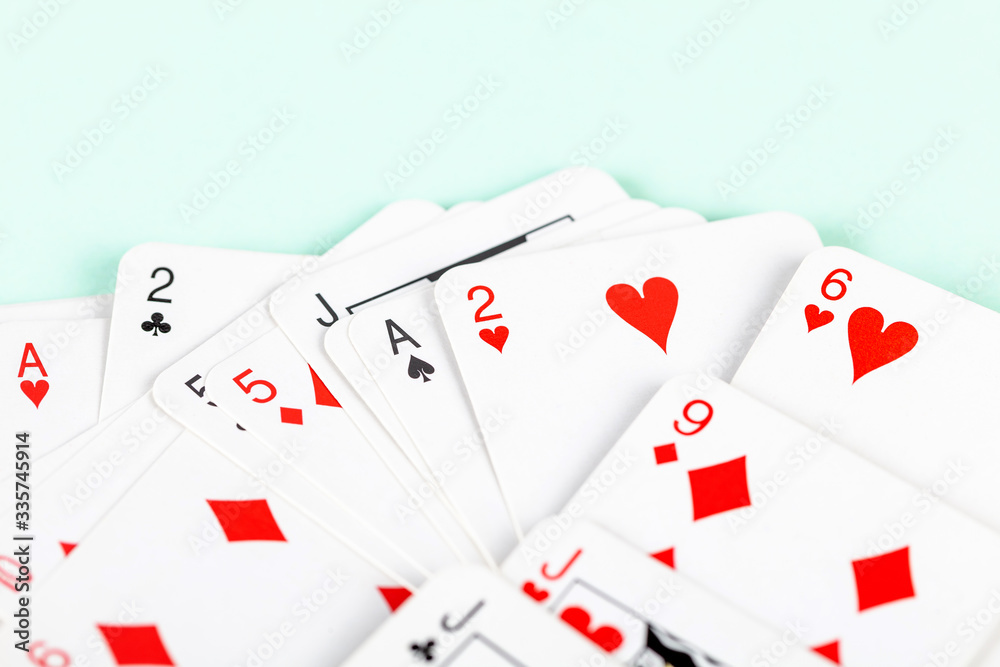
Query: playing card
(342,352)
(397,350)
(518,217)
(470,617)
(907,371)
(789,525)
(225,573)
(170,298)
(180,391)
(71,499)
(391,221)
(58,309)
(54,370)
(73,494)
(275,395)
(638,608)
(371,397)
(180,388)
(570,344)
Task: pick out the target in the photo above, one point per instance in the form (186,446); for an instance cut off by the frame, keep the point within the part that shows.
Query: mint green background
(559,86)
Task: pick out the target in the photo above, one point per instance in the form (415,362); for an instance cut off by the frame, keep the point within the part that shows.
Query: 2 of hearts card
(557,427)
(570,344)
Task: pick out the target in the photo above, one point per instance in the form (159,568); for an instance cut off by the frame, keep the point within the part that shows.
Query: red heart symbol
(35,391)
(652,314)
(816,318)
(605,636)
(495,337)
(536,593)
(871,347)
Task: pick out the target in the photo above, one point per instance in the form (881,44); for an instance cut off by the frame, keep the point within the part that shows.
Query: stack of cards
(558,427)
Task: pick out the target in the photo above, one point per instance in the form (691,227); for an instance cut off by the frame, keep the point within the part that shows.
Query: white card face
(83,480)
(180,388)
(378,411)
(54,370)
(392,221)
(638,608)
(570,344)
(274,394)
(170,298)
(906,371)
(789,525)
(540,207)
(518,217)
(224,573)
(67,502)
(398,351)
(77,308)
(470,617)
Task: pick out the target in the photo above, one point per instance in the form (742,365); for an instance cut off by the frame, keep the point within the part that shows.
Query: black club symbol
(156,324)
(427,650)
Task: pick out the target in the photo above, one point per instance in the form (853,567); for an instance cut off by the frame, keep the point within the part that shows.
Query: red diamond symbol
(245,520)
(394,597)
(719,488)
(829,651)
(666,556)
(883,579)
(135,644)
(323,395)
(665,454)
(291,416)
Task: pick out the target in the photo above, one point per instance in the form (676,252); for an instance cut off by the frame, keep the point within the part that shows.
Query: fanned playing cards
(560,426)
